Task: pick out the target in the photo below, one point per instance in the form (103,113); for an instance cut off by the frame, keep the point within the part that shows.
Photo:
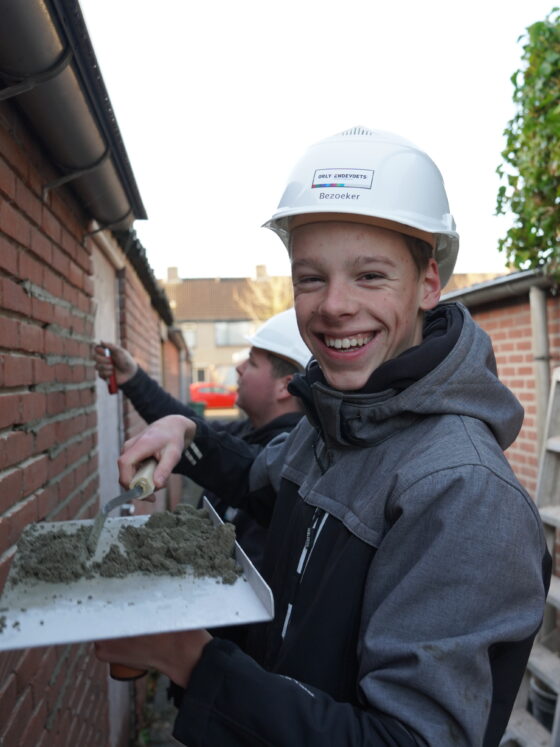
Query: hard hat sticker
(354,178)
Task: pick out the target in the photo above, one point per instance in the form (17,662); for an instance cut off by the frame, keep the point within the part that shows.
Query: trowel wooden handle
(122,672)
(145,478)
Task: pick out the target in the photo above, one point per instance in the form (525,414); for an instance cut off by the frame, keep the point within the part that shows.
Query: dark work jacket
(153,402)
(408,567)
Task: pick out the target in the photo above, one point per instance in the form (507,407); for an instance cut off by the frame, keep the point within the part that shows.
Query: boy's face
(359,297)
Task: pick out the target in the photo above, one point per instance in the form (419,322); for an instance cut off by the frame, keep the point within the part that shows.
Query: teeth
(347,342)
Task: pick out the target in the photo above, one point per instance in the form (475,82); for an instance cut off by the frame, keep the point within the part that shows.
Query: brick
(28,666)
(54,343)
(14,448)
(9,409)
(13,297)
(11,488)
(13,523)
(12,154)
(16,723)
(76,276)
(7,180)
(50,225)
(36,725)
(28,202)
(8,256)
(70,294)
(30,269)
(47,501)
(17,370)
(33,406)
(9,337)
(8,694)
(62,315)
(45,437)
(56,403)
(14,224)
(41,246)
(52,282)
(32,338)
(89,286)
(42,371)
(5,564)
(34,474)
(42,311)
(60,262)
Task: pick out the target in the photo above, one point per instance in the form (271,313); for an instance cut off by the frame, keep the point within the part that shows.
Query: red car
(213,395)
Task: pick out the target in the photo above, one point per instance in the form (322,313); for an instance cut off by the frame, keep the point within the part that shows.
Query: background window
(232,333)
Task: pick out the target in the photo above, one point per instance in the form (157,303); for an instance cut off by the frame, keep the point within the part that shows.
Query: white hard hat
(380,177)
(280,335)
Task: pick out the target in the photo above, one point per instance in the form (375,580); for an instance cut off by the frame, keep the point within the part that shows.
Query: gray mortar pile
(170,543)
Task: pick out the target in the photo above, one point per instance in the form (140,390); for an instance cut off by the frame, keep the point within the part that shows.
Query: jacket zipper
(318,521)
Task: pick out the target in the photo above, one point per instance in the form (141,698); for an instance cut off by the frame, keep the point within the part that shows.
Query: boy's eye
(371,276)
(307,280)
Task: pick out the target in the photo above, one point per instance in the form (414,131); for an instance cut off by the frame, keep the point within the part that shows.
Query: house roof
(207,299)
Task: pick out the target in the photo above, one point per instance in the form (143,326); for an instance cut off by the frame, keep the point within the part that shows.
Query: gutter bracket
(74,174)
(106,226)
(28,82)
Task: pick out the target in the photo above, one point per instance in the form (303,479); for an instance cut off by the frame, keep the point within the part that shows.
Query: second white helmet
(374,177)
(280,335)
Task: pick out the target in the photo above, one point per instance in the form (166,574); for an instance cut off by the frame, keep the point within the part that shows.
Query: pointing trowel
(141,486)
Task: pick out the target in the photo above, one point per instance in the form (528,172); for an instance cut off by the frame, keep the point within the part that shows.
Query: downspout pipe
(541,355)
(35,37)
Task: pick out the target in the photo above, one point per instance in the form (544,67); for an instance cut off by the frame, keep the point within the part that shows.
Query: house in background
(215,316)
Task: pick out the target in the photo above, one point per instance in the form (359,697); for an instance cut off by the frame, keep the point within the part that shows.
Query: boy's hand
(174,654)
(165,440)
(121,362)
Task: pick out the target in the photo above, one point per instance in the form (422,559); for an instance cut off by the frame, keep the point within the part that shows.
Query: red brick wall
(48,459)
(509,326)
(53,695)
(140,335)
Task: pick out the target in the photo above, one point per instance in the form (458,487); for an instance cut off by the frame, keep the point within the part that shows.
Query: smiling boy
(408,565)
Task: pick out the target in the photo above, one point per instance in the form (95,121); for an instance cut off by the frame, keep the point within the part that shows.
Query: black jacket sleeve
(219,461)
(152,403)
(151,400)
(232,701)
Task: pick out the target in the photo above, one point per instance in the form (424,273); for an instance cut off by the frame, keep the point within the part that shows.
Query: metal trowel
(141,486)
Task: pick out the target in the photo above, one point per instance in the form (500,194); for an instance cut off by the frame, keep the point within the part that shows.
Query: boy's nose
(338,300)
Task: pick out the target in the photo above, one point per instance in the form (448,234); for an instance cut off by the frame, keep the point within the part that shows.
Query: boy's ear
(431,286)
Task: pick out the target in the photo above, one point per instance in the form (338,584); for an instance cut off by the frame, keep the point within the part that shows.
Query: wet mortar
(170,543)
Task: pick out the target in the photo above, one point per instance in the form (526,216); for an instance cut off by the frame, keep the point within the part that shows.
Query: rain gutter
(49,69)
(498,289)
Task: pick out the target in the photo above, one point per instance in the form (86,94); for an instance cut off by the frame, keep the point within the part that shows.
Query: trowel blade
(97,527)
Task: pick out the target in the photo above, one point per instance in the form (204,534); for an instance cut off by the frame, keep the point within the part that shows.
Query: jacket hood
(462,382)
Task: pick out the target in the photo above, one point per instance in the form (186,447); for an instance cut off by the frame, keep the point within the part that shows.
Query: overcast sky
(217,100)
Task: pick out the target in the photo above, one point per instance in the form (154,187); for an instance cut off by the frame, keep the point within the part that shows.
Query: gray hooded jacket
(454,584)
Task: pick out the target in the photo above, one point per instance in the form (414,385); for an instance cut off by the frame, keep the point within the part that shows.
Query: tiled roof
(206,299)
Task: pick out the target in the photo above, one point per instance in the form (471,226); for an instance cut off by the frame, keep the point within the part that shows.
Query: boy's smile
(359,297)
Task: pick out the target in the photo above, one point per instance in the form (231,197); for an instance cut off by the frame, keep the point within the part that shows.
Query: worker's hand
(173,654)
(121,362)
(165,440)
